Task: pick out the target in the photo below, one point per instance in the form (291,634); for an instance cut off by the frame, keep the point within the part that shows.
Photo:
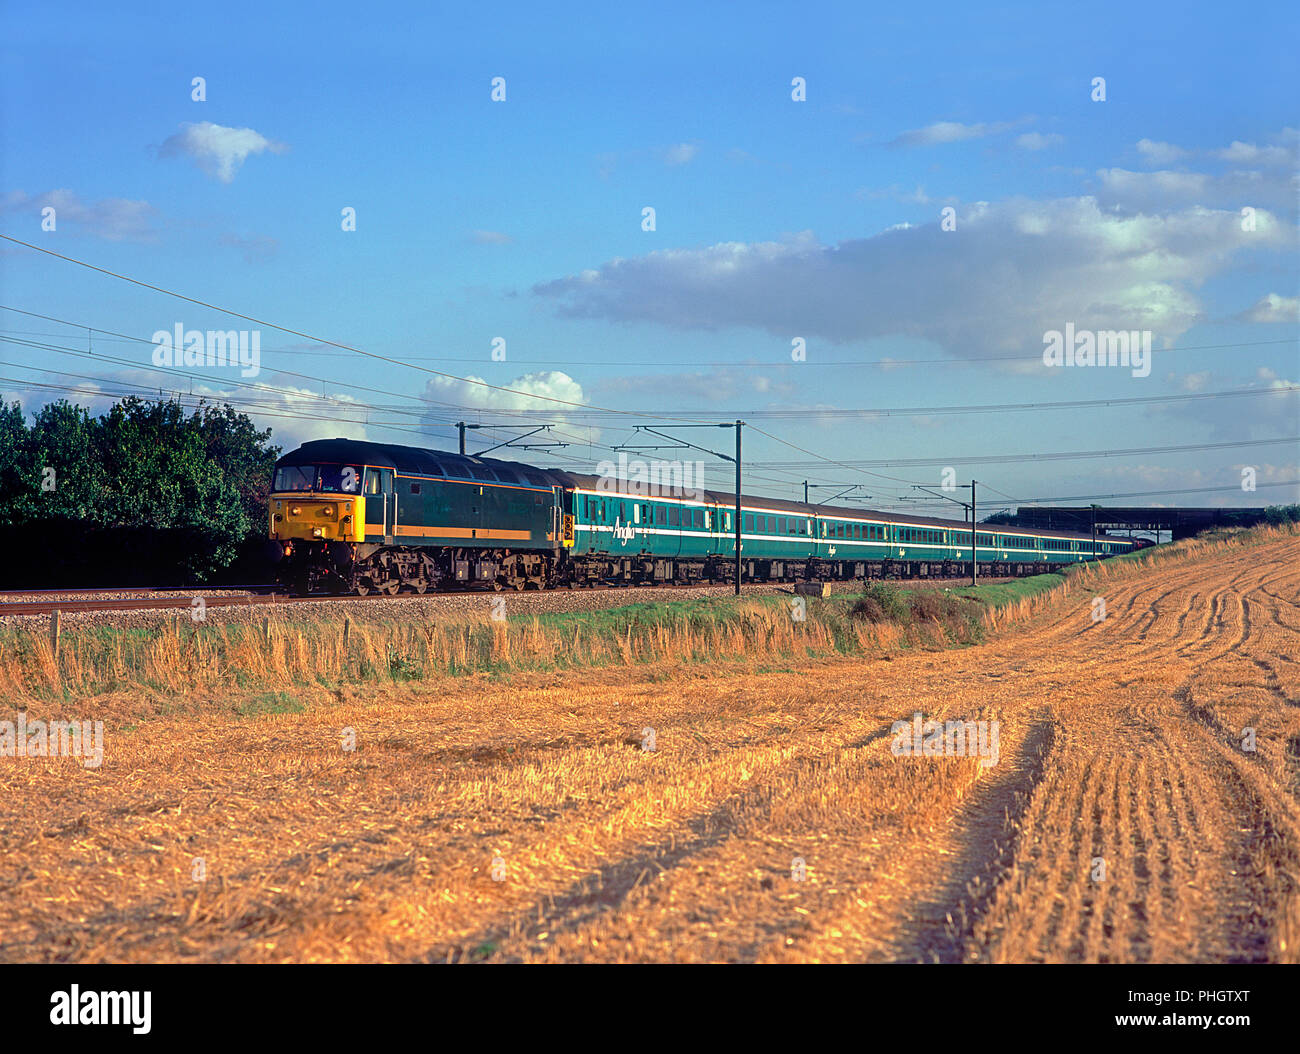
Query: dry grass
(1118,739)
(183,660)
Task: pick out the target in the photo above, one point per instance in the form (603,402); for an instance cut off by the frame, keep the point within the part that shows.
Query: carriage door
(561,521)
(389,483)
(381,503)
(373,490)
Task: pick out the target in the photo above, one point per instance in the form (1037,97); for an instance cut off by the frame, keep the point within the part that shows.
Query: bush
(881,603)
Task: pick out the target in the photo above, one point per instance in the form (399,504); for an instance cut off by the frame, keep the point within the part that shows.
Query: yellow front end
(317,518)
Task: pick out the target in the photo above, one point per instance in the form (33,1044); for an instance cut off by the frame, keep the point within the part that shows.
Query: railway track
(77,600)
(16,602)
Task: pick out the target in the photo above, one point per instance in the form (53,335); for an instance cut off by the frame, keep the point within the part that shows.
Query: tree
(144,489)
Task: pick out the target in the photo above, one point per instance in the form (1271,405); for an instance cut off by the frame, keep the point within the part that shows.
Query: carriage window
(415,488)
(699,518)
(661,515)
(673,516)
(749,521)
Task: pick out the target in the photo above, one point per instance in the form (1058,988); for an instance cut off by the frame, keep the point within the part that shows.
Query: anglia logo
(624,532)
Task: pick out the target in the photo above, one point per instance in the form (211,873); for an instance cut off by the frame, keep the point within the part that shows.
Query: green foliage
(881,603)
(144,467)
(1280,514)
(401,668)
(269,703)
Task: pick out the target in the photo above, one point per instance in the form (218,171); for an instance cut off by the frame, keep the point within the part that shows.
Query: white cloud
(1273,308)
(681,154)
(1149,185)
(492,238)
(1163,189)
(114,219)
(217,150)
(1012,271)
(293,414)
(1249,154)
(1038,140)
(465,393)
(1156,153)
(1281,151)
(954,132)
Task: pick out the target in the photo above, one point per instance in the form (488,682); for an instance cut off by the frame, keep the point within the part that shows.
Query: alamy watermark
(1107,347)
(678,479)
(75,1007)
(946,739)
(214,347)
(84,739)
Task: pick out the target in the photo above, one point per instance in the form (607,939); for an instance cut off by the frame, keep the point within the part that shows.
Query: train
(351,516)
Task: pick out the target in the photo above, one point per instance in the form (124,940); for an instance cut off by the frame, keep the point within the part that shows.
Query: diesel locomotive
(351,516)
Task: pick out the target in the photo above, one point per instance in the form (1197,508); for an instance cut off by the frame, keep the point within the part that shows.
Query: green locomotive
(352,516)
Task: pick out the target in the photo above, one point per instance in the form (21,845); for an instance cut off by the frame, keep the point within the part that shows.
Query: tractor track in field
(1124,821)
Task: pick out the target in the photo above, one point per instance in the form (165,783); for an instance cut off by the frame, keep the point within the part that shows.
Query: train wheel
(362,589)
(421,586)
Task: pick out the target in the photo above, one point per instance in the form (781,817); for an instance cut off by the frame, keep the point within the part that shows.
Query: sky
(867,223)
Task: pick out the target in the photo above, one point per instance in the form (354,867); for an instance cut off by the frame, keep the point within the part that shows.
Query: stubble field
(522,818)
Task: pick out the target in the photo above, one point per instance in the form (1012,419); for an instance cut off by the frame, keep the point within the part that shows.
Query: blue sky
(776,219)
